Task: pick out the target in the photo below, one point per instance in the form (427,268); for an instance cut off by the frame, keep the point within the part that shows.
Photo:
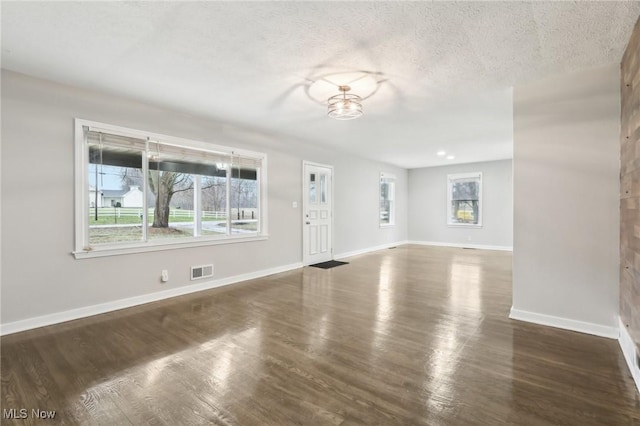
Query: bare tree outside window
(244,205)
(464,199)
(142,189)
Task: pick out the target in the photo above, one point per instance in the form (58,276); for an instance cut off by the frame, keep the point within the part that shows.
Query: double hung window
(464,203)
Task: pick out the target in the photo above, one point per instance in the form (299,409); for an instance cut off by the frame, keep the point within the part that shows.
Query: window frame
(392,206)
(84,250)
(451,178)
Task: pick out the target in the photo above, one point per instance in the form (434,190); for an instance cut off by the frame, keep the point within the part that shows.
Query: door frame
(306,262)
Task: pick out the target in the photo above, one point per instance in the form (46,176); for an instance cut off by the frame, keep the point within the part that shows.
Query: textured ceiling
(450,66)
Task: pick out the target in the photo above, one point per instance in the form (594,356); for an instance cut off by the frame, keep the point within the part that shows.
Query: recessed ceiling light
(450,157)
(441,153)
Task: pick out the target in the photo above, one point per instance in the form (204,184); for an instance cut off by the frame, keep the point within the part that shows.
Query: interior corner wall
(40,277)
(630,193)
(566,189)
(427,213)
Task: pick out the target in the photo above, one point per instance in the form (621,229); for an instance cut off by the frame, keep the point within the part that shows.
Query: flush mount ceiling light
(345,106)
(343,92)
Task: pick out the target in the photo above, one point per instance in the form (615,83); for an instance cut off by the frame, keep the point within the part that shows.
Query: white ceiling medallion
(343,92)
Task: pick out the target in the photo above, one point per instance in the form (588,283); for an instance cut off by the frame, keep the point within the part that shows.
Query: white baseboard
(565,323)
(630,354)
(368,250)
(462,245)
(58,317)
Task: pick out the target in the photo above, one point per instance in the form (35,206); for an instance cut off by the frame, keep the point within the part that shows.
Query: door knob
(308,223)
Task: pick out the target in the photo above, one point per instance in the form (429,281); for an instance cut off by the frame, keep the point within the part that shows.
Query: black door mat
(329,264)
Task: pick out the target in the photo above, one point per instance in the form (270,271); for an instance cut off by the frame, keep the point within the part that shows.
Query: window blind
(125,150)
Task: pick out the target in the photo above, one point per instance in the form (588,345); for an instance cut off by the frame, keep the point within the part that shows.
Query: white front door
(317,213)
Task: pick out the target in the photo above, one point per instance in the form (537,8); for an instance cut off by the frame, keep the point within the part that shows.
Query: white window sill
(387,225)
(160,246)
(463,225)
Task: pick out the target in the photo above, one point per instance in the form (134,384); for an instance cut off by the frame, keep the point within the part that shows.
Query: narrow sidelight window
(387,199)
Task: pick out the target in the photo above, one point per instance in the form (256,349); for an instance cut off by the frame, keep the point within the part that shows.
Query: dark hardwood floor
(414,335)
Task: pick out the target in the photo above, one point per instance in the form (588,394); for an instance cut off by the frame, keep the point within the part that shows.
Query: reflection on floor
(415,335)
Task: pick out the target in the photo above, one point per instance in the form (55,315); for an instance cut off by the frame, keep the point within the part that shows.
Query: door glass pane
(312,188)
(323,189)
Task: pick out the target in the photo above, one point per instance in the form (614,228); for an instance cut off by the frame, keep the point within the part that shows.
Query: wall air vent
(202,271)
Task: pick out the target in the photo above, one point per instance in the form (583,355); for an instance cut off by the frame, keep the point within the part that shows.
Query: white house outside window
(139,191)
(464,199)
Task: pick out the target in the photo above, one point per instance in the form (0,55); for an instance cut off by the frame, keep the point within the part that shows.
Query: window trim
(83,251)
(450,179)
(392,211)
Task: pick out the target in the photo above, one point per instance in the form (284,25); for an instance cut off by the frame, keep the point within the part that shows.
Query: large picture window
(387,199)
(464,199)
(137,191)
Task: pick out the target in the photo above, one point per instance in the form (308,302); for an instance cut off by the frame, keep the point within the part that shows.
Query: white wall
(427,213)
(39,274)
(566,186)
(133,198)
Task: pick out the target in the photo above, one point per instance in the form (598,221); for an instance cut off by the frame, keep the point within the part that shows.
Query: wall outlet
(294,204)
(164,276)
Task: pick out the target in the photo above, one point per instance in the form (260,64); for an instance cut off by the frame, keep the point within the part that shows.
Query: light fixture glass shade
(345,106)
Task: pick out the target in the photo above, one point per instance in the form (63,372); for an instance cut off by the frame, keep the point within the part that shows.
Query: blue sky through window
(109,177)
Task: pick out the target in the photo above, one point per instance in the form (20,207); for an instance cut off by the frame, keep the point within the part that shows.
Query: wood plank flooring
(413,335)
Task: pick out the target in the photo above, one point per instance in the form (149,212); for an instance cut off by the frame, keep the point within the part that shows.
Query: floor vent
(202,271)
